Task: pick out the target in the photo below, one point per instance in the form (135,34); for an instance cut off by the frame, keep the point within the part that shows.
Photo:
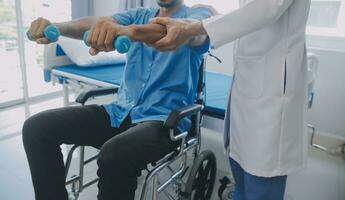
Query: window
(55,11)
(327,18)
(11,74)
(21,75)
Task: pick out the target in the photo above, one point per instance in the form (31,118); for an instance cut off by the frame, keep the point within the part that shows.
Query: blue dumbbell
(122,43)
(51,32)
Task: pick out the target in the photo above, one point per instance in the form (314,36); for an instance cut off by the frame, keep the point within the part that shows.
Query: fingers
(154,20)
(160,43)
(165,45)
(40,29)
(43,41)
(109,41)
(88,39)
(93,36)
(93,51)
(101,40)
(33,29)
(162,20)
(173,38)
(101,36)
(36,29)
(95,40)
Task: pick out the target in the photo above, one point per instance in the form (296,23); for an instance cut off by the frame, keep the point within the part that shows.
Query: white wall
(105,7)
(328,112)
(109,7)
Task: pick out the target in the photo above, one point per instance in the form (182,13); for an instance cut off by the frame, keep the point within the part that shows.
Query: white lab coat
(266,115)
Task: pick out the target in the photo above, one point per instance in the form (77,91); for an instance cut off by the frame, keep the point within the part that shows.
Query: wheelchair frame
(187,144)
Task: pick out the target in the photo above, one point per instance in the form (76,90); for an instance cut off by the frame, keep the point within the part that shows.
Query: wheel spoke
(208,181)
(195,182)
(192,196)
(201,170)
(205,173)
(199,194)
(201,180)
(208,167)
(209,176)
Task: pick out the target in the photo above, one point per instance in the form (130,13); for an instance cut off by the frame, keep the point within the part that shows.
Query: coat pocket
(249,76)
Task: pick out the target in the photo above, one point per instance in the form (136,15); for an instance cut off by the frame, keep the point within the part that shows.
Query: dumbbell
(122,43)
(51,32)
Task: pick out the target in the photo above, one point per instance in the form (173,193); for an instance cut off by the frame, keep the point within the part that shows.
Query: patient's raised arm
(73,29)
(105,30)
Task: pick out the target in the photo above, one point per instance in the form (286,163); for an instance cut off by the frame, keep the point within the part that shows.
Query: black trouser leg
(124,156)
(43,134)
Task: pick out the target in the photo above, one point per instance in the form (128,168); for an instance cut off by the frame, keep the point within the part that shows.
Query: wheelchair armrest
(84,96)
(175,116)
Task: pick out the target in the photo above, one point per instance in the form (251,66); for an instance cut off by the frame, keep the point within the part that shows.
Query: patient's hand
(102,34)
(105,30)
(35,32)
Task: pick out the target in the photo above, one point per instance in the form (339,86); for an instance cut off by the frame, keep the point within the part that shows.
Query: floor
(14,171)
(324,178)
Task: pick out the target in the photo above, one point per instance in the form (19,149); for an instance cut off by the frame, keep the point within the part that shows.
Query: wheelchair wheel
(202,177)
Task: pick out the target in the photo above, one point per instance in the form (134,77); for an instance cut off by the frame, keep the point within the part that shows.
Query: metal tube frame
(153,174)
(77,181)
(65,94)
(312,139)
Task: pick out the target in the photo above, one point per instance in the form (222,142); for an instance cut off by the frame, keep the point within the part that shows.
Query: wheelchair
(201,173)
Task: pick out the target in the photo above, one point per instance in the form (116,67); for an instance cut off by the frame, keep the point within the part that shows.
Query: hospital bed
(60,70)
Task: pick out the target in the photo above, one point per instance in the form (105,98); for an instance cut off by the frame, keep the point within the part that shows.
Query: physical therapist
(265,125)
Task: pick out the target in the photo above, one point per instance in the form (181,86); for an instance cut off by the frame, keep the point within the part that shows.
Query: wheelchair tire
(202,177)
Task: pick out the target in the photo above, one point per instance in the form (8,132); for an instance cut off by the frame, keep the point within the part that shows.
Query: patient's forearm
(151,33)
(147,33)
(76,28)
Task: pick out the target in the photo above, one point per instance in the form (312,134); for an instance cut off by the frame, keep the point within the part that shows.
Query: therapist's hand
(176,36)
(178,33)
(102,34)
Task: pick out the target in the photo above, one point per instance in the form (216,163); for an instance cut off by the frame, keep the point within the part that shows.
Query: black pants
(124,151)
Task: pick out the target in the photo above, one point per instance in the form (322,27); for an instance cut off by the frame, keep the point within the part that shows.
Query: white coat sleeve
(255,15)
